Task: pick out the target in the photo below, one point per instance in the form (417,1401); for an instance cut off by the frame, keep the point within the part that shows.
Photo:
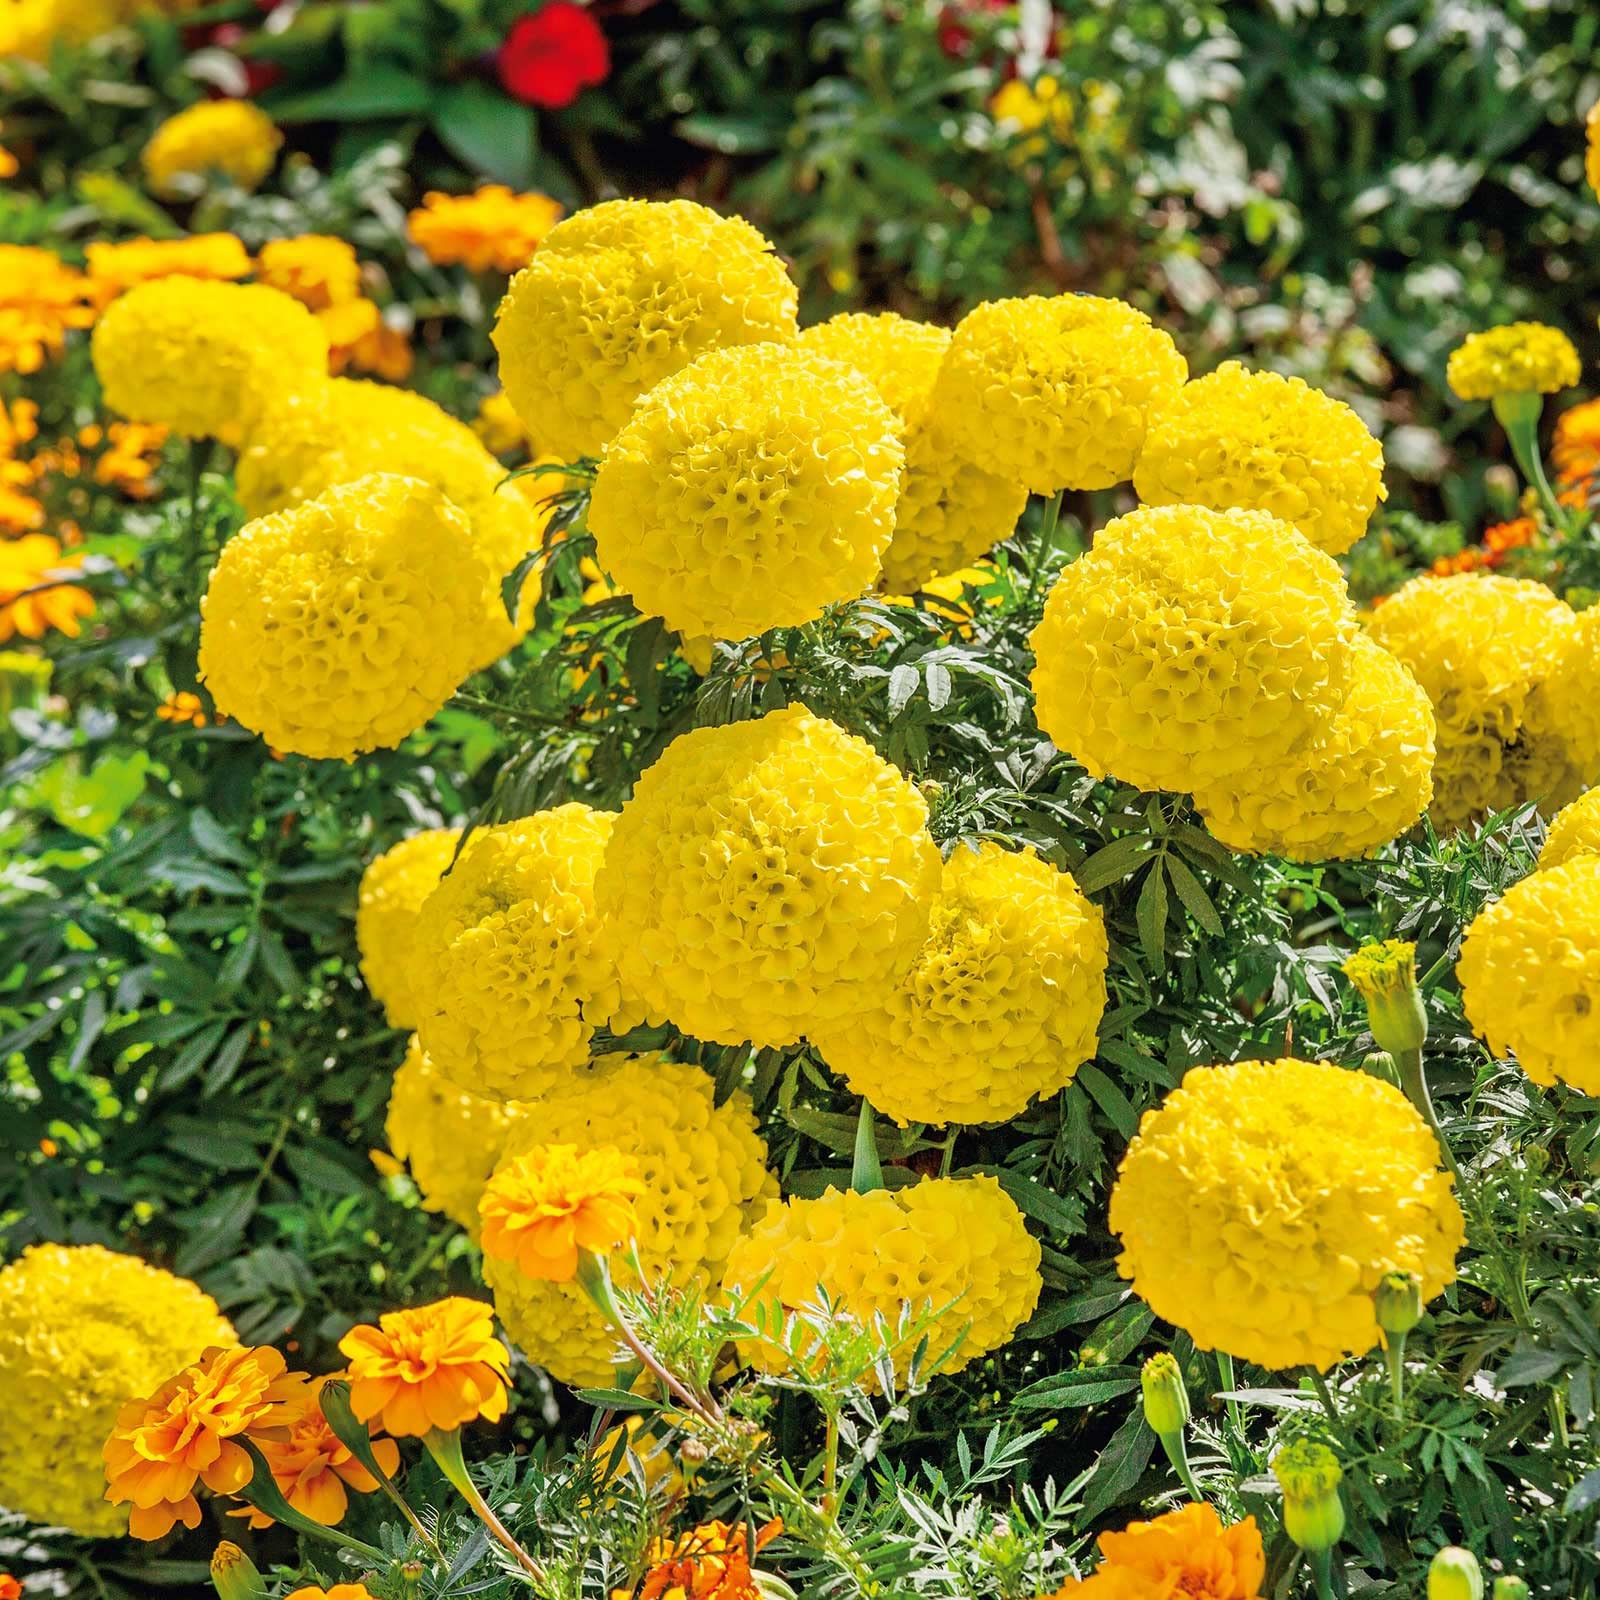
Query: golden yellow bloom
(490,230)
(184,1433)
(183,706)
(82,1328)
(231,137)
(129,457)
(1262,1203)
(542,1207)
(361,339)
(1188,1552)
(767,878)
(317,269)
(1055,391)
(41,300)
(340,1591)
(749,491)
(1574,831)
(499,426)
(1530,974)
(953,1250)
(899,357)
(1591,159)
(1566,702)
(392,891)
(710,1562)
(1038,112)
(434,1366)
(1191,645)
(335,628)
(116,268)
(1002,1004)
(1519,358)
(621,296)
(29,28)
(1257,441)
(34,596)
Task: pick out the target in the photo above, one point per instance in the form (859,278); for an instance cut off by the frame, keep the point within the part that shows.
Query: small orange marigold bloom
(182,707)
(492,230)
(1188,1552)
(540,1210)
(318,269)
(33,599)
(435,1366)
(41,299)
(1575,451)
(10,1588)
(340,1591)
(116,268)
(710,1563)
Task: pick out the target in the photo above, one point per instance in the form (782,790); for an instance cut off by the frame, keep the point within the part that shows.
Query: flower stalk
(445,1449)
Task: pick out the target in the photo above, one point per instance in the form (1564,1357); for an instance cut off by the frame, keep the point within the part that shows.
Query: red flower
(552,53)
(955,38)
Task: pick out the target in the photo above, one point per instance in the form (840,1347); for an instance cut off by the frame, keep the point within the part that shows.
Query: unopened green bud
(1166,1400)
(1454,1574)
(1380,1064)
(1510,1587)
(1398,1302)
(1309,1475)
(234,1574)
(1385,976)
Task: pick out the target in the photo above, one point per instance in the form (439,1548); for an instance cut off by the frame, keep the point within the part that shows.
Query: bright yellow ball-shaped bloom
(1363,779)
(81,1329)
(621,296)
(955,1250)
(1262,1203)
(340,626)
(232,137)
(1189,645)
(513,972)
(29,29)
(204,358)
(1055,391)
(392,891)
(898,356)
(1530,974)
(768,878)
(1002,1004)
(1257,441)
(1519,358)
(749,491)
(1574,831)
(703,1168)
(1481,647)
(1566,703)
(449,1138)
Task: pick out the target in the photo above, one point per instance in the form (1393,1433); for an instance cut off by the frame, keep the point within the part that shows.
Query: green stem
(1047,542)
(1519,416)
(1325,1395)
(830,1466)
(1394,1357)
(1414,1080)
(1230,1382)
(1177,1449)
(445,1448)
(263,1493)
(1322,1570)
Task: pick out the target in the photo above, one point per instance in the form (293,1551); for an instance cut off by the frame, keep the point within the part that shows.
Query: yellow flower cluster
(704,1176)
(1574,831)
(334,628)
(116,268)
(391,894)
(749,491)
(1519,358)
(41,300)
(1530,974)
(513,971)
(1261,1204)
(1257,441)
(81,1329)
(955,1250)
(767,878)
(1001,1006)
(621,296)
(232,137)
(489,230)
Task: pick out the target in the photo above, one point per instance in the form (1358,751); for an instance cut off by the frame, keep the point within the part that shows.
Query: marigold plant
(231,137)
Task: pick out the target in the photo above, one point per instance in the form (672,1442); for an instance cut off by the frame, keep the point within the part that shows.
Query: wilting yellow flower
(34,597)
(183,706)
(490,230)
(116,268)
(41,300)
(392,891)
(710,1562)
(434,1366)
(542,1207)
(1188,1552)
(1519,358)
(1275,1260)
(232,137)
(1574,831)
(318,269)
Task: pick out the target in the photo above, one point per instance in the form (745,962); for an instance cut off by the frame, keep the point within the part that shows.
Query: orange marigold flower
(116,268)
(1575,451)
(318,269)
(184,1433)
(360,340)
(1188,1552)
(183,707)
(129,458)
(435,1366)
(710,1563)
(540,1210)
(340,1591)
(10,1588)
(41,298)
(492,230)
(34,597)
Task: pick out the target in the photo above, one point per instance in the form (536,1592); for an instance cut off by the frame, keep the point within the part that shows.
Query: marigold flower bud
(1510,1587)
(1381,1065)
(1309,1475)
(234,1575)
(1454,1574)
(1166,1399)
(1398,1302)
(1385,976)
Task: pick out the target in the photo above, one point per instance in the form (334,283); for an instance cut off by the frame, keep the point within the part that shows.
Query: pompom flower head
(489,230)
(1262,1203)
(1189,1552)
(1574,831)
(1001,1005)
(1190,645)
(767,878)
(232,137)
(81,1329)
(749,491)
(621,296)
(542,1207)
(392,891)
(1055,391)
(1519,358)
(1257,441)
(343,624)
(1566,703)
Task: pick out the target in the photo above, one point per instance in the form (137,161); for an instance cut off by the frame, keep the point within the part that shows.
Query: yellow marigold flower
(542,1207)
(184,1433)
(116,268)
(1363,778)
(955,1250)
(1037,112)
(361,339)
(1275,1261)
(1190,645)
(767,878)
(183,707)
(621,296)
(1481,647)
(34,597)
(434,1366)
(41,300)
(1591,159)
(513,971)
(335,628)
(131,453)
(1566,703)
(204,359)
(899,357)
(392,891)
(232,137)
(1519,358)
(1257,441)
(704,1175)
(449,1138)
(30,28)
(1530,974)
(317,269)
(1574,831)
(490,230)
(82,1328)
(710,1562)
(1001,1006)
(499,426)
(1055,391)
(1575,450)
(749,491)
(1189,1552)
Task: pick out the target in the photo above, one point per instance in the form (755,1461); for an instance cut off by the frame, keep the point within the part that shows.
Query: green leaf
(1119,1468)
(1116,861)
(488,132)
(1195,900)
(380,90)
(1151,915)
(1111,1100)
(1087,1386)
